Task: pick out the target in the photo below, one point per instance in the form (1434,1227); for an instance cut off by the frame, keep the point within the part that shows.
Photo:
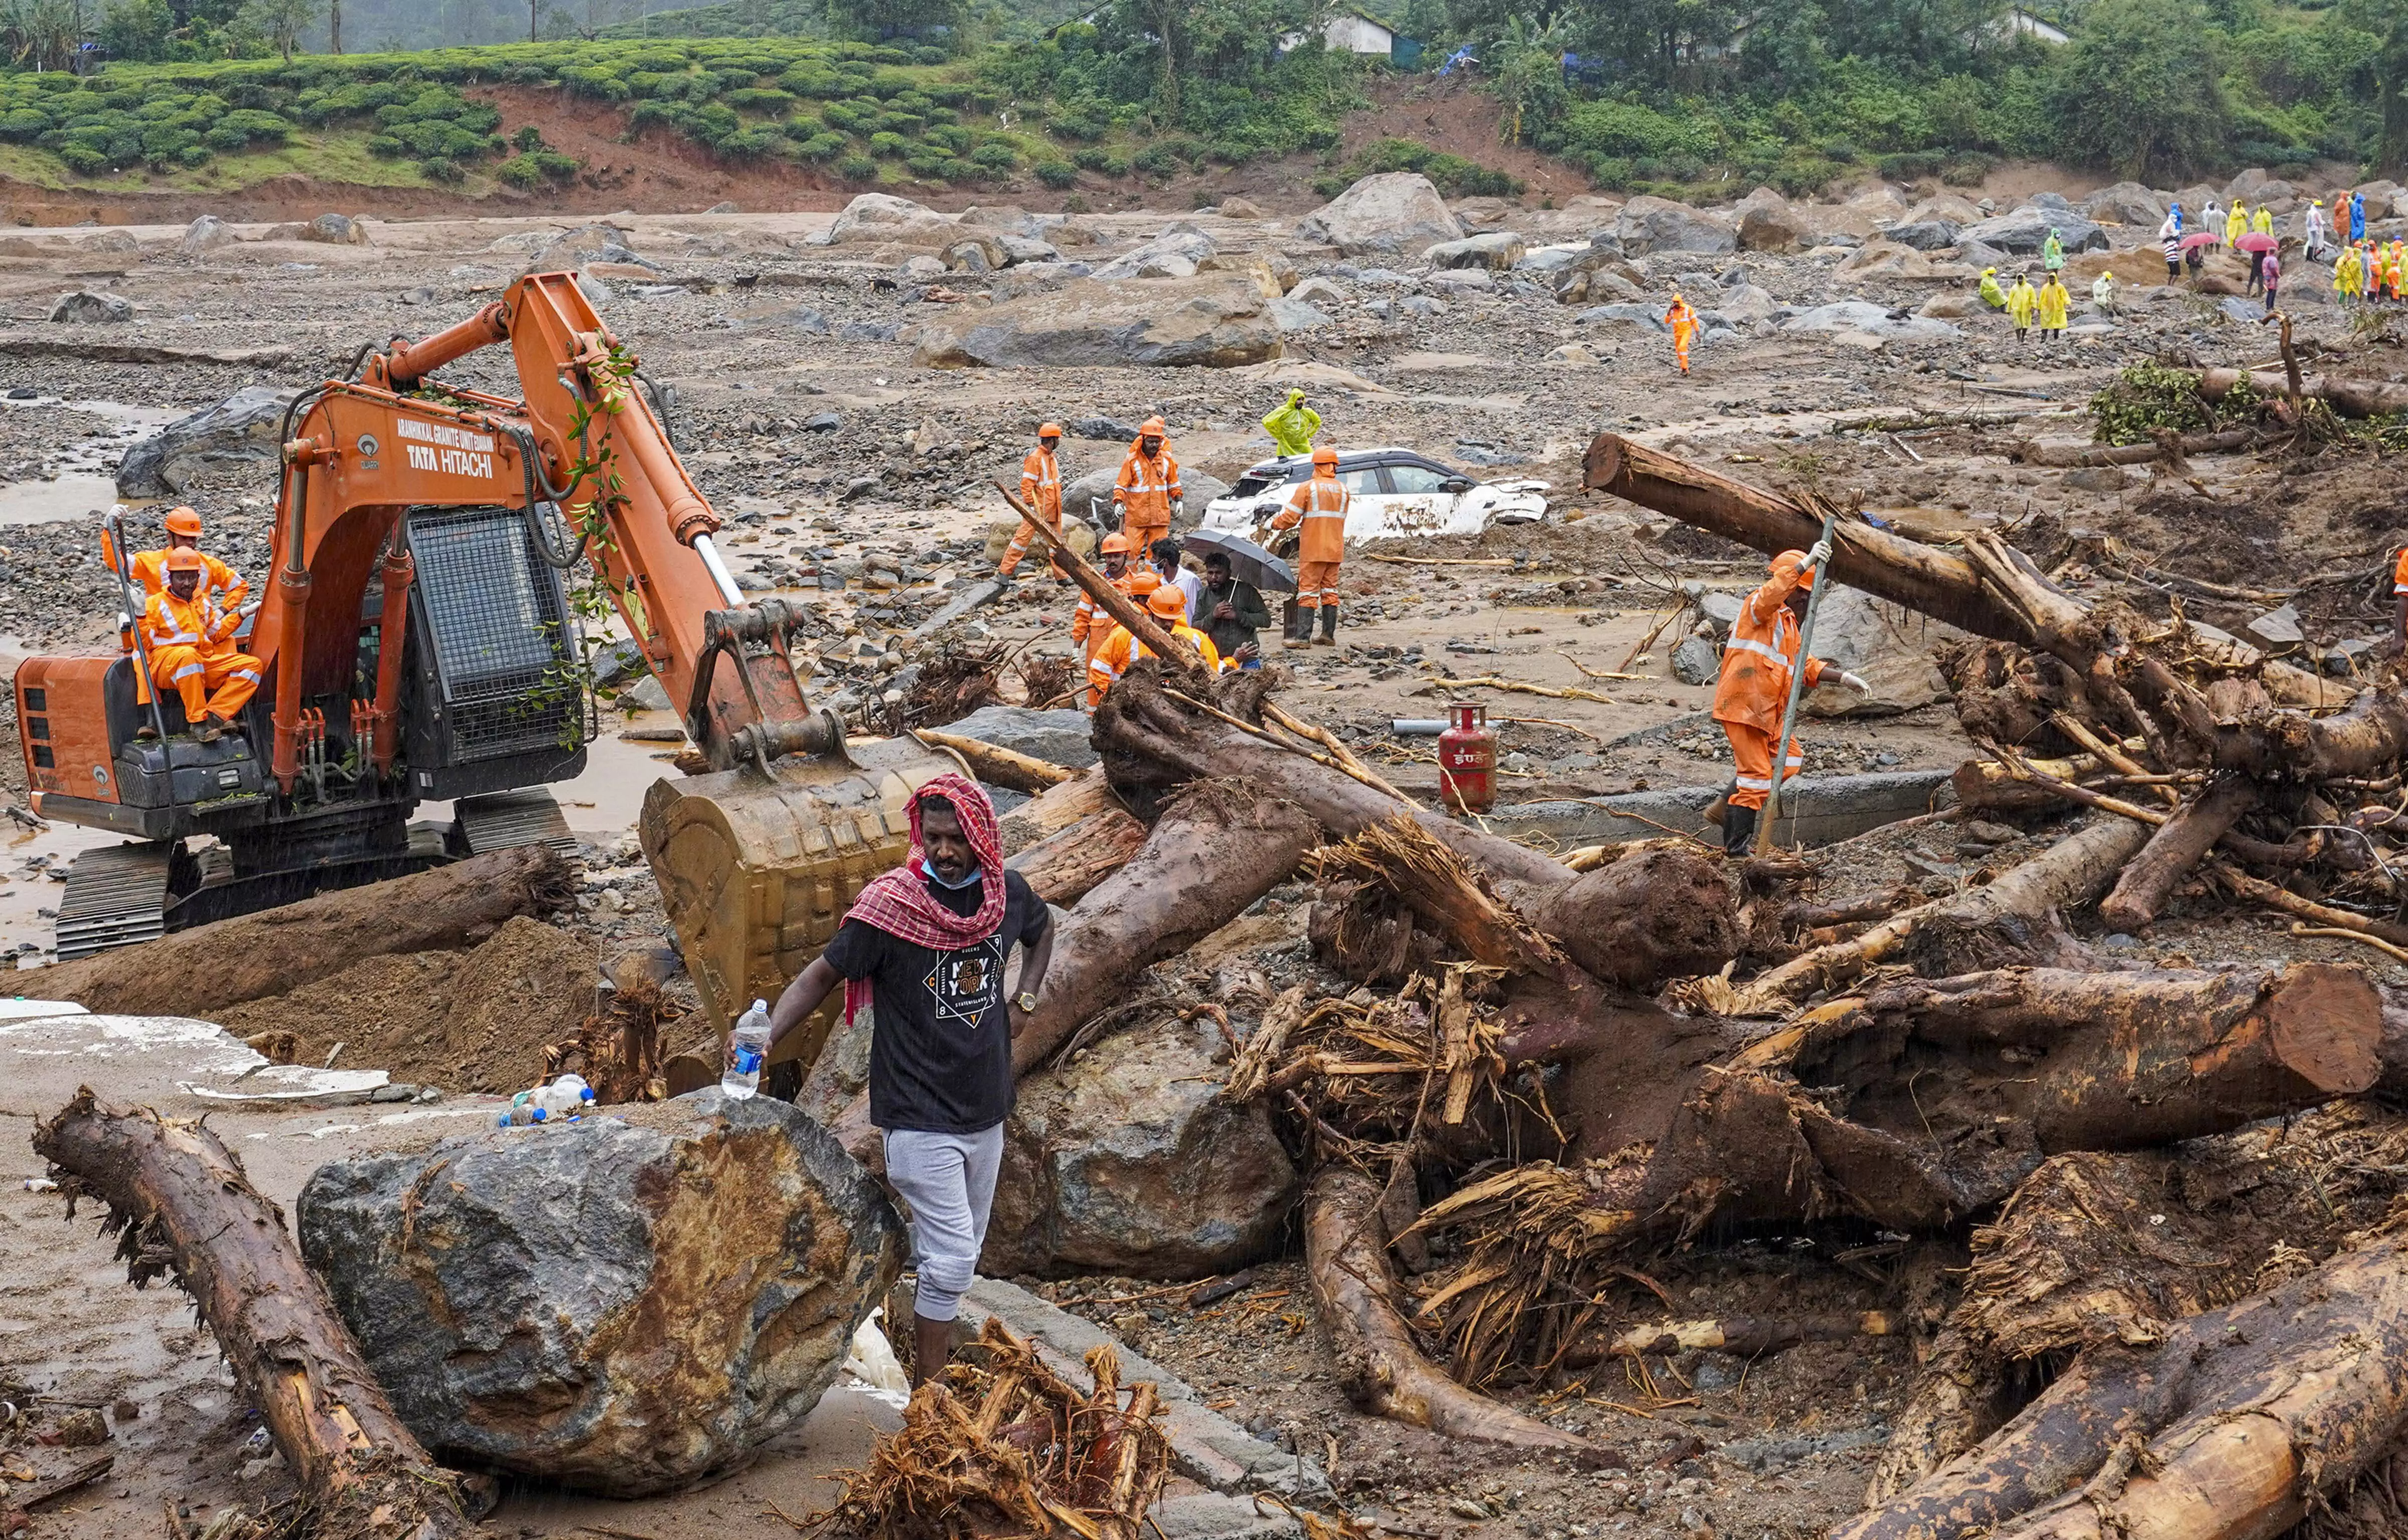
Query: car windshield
(1249,485)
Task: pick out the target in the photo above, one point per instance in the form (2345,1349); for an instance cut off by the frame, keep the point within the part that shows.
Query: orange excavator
(421,644)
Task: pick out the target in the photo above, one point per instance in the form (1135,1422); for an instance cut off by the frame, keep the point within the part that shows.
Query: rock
(2101,479)
(1057,736)
(1392,212)
(921,269)
(1954,305)
(1857,315)
(1658,224)
(1003,217)
(2022,232)
(1886,259)
(205,234)
(1130,1161)
(1456,280)
(623,1304)
(2246,184)
(1696,661)
(595,291)
(1745,304)
(1645,316)
(1239,208)
(570,249)
(1018,250)
(725,205)
(975,252)
(1174,253)
(1318,290)
(1090,496)
(1498,251)
(1573,352)
(2278,627)
(1216,322)
(1291,315)
(241,427)
(1929,234)
(1888,647)
(420,296)
(86,306)
(883,217)
(1079,536)
(2126,203)
(336,230)
(1105,429)
(1767,223)
(1945,207)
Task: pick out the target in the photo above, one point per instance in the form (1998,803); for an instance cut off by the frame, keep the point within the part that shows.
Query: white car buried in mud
(1396,492)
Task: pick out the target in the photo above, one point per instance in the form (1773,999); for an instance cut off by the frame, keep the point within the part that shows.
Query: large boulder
(1176,252)
(2126,203)
(1089,496)
(2022,232)
(242,428)
(1857,316)
(205,234)
(87,306)
(1393,212)
(624,1304)
(1949,207)
(1660,224)
(336,230)
(883,217)
(1214,321)
(1060,737)
(573,248)
(1131,1162)
(1766,222)
(1498,250)
(1923,235)
(1887,646)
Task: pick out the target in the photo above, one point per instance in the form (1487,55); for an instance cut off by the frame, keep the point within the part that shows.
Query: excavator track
(115,896)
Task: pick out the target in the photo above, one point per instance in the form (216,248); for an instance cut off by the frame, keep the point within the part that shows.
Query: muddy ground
(1707,1443)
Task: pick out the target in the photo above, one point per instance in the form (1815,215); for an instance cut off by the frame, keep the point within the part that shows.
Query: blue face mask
(936,877)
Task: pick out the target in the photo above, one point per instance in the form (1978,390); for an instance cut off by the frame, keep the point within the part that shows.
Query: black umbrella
(1247,561)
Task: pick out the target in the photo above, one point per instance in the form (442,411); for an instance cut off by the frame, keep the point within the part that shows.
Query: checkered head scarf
(898,901)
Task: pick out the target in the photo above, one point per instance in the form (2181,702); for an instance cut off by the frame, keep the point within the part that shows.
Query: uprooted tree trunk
(2347,398)
(2179,845)
(1064,866)
(1215,849)
(1383,1372)
(274,951)
(2033,452)
(2230,1429)
(182,1205)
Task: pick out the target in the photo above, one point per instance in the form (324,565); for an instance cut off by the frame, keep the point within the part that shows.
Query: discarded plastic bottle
(523,1112)
(567,1096)
(749,1047)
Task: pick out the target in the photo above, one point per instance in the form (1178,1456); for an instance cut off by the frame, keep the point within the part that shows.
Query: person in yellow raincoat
(2053,306)
(1293,425)
(1684,321)
(1992,295)
(2021,301)
(2349,276)
(2236,223)
(2263,221)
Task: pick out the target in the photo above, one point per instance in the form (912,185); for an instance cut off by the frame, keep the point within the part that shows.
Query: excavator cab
(419,637)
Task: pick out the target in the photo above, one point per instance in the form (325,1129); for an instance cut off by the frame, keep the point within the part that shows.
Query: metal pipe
(411,361)
(1796,688)
(719,573)
(292,588)
(393,633)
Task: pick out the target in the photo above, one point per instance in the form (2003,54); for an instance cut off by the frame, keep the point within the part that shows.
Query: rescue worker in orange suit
(226,585)
(1041,492)
(1089,626)
(1148,493)
(1139,584)
(190,642)
(1167,605)
(1320,505)
(1684,321)
(1754,689)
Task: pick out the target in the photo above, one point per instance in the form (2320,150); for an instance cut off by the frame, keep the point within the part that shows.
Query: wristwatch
(1026,1001)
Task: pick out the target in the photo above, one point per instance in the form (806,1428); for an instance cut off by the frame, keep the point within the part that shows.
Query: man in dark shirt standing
(1231,613)
(927,943)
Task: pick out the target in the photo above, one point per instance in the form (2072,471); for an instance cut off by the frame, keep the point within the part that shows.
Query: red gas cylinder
(1467,761)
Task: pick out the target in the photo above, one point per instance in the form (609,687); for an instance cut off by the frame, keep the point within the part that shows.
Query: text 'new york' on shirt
(940,1050)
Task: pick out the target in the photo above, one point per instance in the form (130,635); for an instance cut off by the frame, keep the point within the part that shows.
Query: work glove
(1820,555)
(1179,508)
(1850,682)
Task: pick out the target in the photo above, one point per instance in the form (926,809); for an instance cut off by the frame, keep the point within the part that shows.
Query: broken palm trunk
(2232,1428)
(1001,1445)
(1912,1107)
(182,1206)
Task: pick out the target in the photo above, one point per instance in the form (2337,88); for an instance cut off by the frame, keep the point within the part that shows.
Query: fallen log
(1347,1254)
(2230,1430)
(1654,915)
(1743,1336)
(1215,849)
(1064,867)
(2035,451)
(999,766)
(1053,811)
(2067,873)
(182,1206)
(2179,845)
(2355,399)
(252,957)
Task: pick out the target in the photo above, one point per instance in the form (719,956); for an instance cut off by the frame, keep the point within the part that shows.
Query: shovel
(1796,688)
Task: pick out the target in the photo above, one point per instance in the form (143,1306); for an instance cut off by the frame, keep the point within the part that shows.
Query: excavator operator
(226,585)
(190,642)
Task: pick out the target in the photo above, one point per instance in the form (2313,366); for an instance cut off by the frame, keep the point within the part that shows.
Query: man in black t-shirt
(927,943)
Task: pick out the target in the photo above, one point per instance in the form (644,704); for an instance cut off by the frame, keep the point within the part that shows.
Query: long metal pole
(1796,688)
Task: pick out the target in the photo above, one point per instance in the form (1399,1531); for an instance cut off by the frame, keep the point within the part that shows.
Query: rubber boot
(1739,830)
(1718,808)
(1299,629)
(1328,636)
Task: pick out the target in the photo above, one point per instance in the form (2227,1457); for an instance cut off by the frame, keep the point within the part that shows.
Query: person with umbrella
(2021,300)
(2052,253)
(2256,243)
(1233,612)
(2054,305)
(1320,505)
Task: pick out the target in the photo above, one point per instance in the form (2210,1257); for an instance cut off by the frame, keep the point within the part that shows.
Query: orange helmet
(1115,544)
(1793,563)
(183,559)
(1153,427)
(1143,582)
(1048,431)
(1326,456)
(183,521)
(1168,601)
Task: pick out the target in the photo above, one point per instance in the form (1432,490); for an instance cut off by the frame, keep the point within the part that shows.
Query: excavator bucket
(756,874)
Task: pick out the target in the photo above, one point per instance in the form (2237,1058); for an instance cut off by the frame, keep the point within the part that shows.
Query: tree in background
(2141,91)
(879,20)
(1526,64)
(2387,19)
(280,22)
(44,34)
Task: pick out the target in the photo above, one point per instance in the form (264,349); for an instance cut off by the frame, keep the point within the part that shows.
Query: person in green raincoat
(2052,253)
(1992,295)
(1293,425)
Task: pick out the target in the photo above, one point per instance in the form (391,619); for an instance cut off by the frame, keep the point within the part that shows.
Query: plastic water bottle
(522,1113)
(567,1096)
(751,1045)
